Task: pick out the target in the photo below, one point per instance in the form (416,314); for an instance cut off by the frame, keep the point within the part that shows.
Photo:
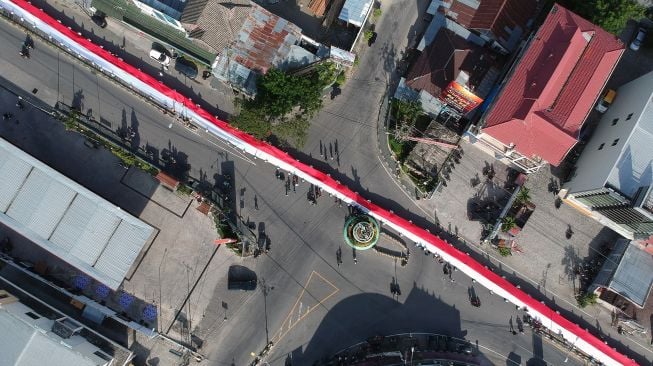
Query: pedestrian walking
(331,150)
(255,202)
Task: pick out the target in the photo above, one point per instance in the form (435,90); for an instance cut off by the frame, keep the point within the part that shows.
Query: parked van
(606,100)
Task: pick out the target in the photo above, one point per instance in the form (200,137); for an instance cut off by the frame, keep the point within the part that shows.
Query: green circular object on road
(361,232)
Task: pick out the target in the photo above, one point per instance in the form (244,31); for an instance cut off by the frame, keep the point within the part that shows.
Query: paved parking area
(177,271)
(452,204)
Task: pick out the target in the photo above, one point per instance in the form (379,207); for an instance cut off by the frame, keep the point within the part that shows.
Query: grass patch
(341,78)
(184,189)
(128,159)
(587,299)
(401,149)
(505,252)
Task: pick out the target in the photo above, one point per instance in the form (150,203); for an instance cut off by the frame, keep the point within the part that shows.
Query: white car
(160,57)
(637,42)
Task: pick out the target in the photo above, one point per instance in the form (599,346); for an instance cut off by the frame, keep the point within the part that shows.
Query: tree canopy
(407,111)
(284,103)
(611,15)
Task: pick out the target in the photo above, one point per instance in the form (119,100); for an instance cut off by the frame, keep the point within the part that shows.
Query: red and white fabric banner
(146,85)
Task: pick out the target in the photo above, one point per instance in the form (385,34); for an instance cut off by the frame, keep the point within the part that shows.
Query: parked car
(639,38)
(186,67)
(100,19)
(606,100)
(160,57)
(241,278)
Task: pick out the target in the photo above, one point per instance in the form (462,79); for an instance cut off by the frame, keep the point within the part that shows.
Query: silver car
(637,42)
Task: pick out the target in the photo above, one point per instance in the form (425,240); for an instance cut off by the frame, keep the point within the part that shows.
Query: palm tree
(523,196)
(508,223)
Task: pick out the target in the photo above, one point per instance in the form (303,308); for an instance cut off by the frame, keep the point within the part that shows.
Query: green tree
(508,223)
(523,196)
(367,35)
(284,103)
(252,120)
(586,299)
(293,131)
(278,93)
(611,15)
(326,73)
(407,111)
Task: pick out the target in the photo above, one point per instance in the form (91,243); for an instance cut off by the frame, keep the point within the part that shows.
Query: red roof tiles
(554,87)
(441,62)
(494,15)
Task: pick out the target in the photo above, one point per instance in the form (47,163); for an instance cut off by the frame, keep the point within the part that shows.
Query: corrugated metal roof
(264,41)
(628,271)
(66,219)
(354,11)
(21,344)
(634,168)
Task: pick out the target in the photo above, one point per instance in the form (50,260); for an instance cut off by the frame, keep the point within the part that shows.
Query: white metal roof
(27,342)
(67,219)
(354,11)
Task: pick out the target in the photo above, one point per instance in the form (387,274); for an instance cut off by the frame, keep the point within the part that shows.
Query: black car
(186,67)
(241,278)
(100,19)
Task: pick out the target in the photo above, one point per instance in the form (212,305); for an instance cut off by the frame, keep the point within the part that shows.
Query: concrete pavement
(304,238)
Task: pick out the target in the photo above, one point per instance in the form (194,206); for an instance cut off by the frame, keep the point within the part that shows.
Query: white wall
(594,165)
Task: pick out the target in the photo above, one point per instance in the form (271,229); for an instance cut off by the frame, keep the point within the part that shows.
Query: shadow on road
(371,317)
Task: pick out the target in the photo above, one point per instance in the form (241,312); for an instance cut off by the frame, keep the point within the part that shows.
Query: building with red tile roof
(452,61)
(538,115)
(504,21)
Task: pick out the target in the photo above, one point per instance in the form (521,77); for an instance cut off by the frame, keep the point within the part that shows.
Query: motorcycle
(24,52)
(29,42)
(476,301)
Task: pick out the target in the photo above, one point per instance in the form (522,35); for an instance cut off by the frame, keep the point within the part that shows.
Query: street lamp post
(570,349)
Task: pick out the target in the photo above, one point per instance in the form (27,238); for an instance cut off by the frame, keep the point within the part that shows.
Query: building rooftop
(354,11)
(628,271)
(67,219)
(158,28)
(546,100)
(634,167)
(441,62)
(216,22)
(172,8)
(264,40)
(506,19)
(28,339)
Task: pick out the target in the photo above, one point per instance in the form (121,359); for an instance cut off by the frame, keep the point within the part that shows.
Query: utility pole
(189,300)
(265,288)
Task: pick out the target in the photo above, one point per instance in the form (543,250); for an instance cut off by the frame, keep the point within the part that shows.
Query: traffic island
(361,232)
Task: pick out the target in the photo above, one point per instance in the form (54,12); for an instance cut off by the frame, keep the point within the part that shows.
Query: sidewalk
(134,46)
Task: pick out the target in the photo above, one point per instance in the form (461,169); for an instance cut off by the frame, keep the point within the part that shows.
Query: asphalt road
(313,306)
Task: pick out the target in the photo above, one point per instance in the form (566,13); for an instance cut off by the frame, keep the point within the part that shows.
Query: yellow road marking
(280,333)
